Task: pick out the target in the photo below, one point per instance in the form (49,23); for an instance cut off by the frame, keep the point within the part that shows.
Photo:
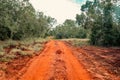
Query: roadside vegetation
(77,42)
(10,50)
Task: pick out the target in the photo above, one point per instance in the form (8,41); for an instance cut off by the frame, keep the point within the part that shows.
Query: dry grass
(77,42)
(25,47)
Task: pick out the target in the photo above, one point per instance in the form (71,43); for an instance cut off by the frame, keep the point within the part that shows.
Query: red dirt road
(56,62)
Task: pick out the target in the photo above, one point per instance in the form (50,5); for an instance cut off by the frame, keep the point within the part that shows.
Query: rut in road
(56,62)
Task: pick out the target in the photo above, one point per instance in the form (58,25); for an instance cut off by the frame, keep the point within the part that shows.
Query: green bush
(5,33)
(82,33)
(18,35)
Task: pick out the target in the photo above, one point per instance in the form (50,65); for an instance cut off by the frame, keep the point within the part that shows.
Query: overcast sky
(58,9)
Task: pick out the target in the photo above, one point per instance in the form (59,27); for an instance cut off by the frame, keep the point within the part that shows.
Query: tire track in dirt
(75,70)
(56,62)
(59,67)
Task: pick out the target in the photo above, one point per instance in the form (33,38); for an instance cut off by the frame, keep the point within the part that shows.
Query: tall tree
(107,23)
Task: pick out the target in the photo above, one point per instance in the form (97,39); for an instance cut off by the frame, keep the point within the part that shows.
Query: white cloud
(58,9)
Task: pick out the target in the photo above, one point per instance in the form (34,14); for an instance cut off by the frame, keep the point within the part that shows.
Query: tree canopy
(102,18)
(19,19)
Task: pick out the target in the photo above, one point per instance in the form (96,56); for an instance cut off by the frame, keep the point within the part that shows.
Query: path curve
(56,62)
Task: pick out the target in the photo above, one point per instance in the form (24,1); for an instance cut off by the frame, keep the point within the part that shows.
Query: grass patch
(26,47)
(2,54)
(22,53)
(32,41)
(78,42)
(37,47)
(7,58)
(1,48)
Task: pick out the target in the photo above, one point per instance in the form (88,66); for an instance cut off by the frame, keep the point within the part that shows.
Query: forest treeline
(99,20)
(69,29)
(102,17)
(19,20)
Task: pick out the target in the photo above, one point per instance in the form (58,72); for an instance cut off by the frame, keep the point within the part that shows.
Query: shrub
(5,33)
(18,35)
(82,33)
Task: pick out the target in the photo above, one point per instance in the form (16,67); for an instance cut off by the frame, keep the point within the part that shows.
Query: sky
(58,9)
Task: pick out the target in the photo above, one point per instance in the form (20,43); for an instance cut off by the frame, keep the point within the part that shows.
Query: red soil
(61,61)
(56,63)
